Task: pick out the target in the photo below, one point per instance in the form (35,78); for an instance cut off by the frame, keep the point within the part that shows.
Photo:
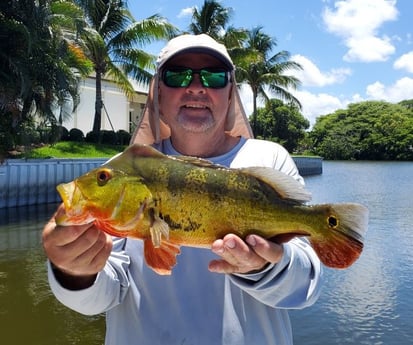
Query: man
(237,293)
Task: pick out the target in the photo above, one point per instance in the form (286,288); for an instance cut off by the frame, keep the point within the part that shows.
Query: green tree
(257,67)
(281,123)
(113,38)
(375,130)
(40,63)
(211,19)
(408,103)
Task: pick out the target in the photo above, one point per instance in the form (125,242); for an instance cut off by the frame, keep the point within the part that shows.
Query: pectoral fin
(159,227)
(161,259)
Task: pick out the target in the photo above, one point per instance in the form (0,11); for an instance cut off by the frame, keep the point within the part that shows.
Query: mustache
(196,98)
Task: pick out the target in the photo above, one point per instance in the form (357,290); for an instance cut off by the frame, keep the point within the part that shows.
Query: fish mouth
(69,193)
(73,201)
(352,235)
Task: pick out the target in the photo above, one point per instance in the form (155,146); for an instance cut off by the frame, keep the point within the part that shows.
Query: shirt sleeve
(108,290)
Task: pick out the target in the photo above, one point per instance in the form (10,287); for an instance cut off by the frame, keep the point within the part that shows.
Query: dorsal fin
(200,162)
(284,185)
(142,150)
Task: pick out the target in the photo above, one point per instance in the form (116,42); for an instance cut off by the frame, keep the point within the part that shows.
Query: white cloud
(368,49)
(400,90)
(315,105)
(357,22)
(405,62)
(185,12)
(311,75)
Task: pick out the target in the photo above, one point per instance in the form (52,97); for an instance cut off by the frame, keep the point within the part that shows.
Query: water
(368,303)
(29,314)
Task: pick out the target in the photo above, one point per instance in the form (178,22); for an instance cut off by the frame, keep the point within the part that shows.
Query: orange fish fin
(161,259)
(339,252)
(284,185)
(342,243)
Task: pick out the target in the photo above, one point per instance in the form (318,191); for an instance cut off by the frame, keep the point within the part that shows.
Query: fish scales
(172,201)
(223,194)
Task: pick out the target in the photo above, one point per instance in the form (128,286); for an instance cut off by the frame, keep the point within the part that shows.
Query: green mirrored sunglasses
(213,78)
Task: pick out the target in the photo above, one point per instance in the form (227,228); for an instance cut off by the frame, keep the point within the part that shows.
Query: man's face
(195,108)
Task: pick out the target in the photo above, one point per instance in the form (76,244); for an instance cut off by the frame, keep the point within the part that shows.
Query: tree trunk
(98,103)
(254,111)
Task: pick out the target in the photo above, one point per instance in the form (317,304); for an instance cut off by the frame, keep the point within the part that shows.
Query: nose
(196,85)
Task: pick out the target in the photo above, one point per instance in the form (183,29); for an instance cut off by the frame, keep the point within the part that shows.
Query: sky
(350,50)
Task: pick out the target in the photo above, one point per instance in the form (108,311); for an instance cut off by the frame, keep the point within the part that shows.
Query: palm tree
(257,68)
(211,19)
(39,62)
(112,38)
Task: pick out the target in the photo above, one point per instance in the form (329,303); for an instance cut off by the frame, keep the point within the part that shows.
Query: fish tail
(340,243)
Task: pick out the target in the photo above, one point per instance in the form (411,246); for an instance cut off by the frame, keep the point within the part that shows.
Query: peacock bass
(169,202)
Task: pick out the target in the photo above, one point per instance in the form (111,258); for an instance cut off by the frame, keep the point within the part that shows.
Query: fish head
(106,195)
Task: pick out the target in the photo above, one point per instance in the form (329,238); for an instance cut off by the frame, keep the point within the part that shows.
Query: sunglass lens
(180,78)
(216,79)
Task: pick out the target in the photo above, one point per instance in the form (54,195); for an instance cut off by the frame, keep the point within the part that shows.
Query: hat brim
(201,50)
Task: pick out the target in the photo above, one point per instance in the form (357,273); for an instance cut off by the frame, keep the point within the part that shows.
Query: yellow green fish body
(172,201)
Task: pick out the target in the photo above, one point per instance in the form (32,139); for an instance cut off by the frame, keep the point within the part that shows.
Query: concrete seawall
(33,181)
(309,165)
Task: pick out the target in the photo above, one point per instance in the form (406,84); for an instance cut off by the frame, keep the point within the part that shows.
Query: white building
(118,111)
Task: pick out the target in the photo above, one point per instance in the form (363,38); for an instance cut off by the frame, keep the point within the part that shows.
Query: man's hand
(78,252)
(238,256)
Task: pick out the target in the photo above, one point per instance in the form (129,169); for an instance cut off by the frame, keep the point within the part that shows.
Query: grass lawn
(71,149)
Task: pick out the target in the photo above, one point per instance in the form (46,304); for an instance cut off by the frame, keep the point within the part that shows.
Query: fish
(173,201)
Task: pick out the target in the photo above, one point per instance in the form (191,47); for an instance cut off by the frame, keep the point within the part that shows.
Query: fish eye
(332,221)
(103,176)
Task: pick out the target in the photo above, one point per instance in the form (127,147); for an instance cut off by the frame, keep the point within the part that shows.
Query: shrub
(54,134)
(63,133)
(108,137)
(27,135)
(123,137)
(76,134)
(93,137)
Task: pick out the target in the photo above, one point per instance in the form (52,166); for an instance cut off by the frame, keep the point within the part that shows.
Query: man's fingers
(236,256)
(93,259)
(269,251)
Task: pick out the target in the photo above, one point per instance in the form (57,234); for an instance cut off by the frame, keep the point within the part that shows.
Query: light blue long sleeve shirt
(194,306)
